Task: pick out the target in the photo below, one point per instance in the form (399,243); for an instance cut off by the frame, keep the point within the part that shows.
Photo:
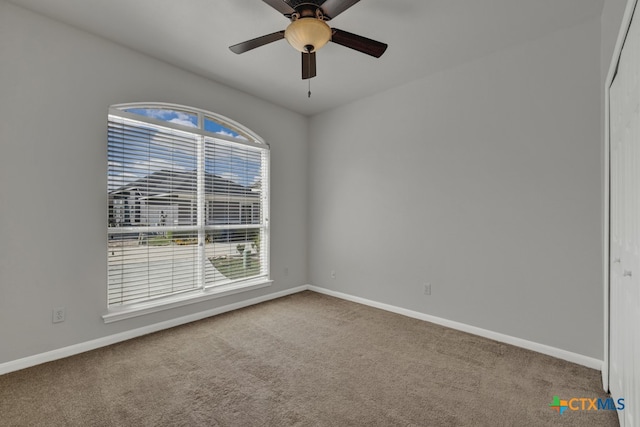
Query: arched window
(188,200)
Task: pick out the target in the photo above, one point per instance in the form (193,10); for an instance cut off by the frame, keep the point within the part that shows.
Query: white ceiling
(424,36)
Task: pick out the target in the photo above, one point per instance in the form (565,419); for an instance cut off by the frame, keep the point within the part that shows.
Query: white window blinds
(187,208)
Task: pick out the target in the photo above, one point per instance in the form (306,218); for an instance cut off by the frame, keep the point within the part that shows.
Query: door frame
(613,68)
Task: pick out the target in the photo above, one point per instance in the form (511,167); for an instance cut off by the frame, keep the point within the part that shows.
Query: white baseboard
(507,339)
(60,353)
(26,362)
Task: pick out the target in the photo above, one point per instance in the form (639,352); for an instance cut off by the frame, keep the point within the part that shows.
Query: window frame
(203,292)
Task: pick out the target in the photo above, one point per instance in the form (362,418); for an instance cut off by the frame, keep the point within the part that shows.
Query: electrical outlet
(333,274)
(427,288)
(58,315)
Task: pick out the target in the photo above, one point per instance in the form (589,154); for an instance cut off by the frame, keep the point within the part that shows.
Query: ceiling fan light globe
(305,32)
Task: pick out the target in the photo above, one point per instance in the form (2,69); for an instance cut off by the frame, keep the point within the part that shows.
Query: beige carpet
(303,360)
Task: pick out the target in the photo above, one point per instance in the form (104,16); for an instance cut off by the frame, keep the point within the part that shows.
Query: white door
(624,137)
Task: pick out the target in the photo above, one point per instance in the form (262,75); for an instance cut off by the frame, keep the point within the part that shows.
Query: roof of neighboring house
(166,182)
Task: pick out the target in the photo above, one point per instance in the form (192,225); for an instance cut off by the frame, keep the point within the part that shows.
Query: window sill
(117,314)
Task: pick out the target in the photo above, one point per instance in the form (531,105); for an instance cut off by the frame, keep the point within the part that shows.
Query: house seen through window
(188,204)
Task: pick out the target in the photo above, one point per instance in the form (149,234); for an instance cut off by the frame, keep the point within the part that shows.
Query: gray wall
(56,84)
(484,180)
(611,18)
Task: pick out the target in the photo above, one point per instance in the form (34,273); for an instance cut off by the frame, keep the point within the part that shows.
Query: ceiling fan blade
(308,65)
(359,43)
(333,8)
(257,42)
(280,6)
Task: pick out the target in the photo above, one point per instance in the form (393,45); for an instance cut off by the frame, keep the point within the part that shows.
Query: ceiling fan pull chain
(309,93)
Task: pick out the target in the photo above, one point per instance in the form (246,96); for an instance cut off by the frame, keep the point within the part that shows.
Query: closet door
(624,326)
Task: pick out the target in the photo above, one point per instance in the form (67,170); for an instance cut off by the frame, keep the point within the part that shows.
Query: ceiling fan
(308,31)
